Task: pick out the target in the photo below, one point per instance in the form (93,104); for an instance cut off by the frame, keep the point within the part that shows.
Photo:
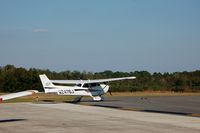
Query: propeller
(106,83)
(110,92)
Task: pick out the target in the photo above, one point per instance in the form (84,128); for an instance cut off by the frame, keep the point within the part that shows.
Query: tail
(46,83)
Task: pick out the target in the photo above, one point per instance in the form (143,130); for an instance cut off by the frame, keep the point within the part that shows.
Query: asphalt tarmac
(177,105)
(74,118)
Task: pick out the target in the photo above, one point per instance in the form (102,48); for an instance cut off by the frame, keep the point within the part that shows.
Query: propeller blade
(110,92)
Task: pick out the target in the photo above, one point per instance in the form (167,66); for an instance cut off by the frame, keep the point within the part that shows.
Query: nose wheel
(97,98)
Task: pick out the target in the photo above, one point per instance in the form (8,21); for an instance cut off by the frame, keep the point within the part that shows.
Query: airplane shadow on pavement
(11,120)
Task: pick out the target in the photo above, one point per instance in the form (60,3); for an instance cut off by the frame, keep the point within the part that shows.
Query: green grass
(58,98)
(154,93)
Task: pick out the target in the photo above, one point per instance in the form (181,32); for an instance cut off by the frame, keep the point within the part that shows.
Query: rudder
(46,83)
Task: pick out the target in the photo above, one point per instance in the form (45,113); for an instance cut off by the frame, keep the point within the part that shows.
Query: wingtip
(132,78)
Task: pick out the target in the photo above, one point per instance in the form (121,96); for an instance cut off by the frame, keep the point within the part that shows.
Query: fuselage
(79,90)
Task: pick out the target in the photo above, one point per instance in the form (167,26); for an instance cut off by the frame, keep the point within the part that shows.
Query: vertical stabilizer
(46,83)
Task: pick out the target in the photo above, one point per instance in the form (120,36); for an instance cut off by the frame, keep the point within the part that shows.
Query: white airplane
(93,88)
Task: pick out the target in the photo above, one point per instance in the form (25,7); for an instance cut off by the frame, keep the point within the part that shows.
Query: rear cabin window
(78,85)
(85,85)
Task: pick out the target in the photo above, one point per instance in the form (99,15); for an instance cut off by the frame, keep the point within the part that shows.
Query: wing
(18,94)
(90,81)
(67,81)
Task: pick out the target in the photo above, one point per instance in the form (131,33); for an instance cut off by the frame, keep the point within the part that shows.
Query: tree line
(14,79)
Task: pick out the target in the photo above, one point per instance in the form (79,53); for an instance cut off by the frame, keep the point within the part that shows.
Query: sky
(99,35)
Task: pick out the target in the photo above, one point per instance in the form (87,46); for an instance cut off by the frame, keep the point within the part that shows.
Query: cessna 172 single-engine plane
(93,88)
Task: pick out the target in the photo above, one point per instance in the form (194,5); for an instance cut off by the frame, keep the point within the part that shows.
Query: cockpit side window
(91,85)
(95,84)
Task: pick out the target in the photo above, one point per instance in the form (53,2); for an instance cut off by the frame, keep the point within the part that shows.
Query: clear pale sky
(98,35)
